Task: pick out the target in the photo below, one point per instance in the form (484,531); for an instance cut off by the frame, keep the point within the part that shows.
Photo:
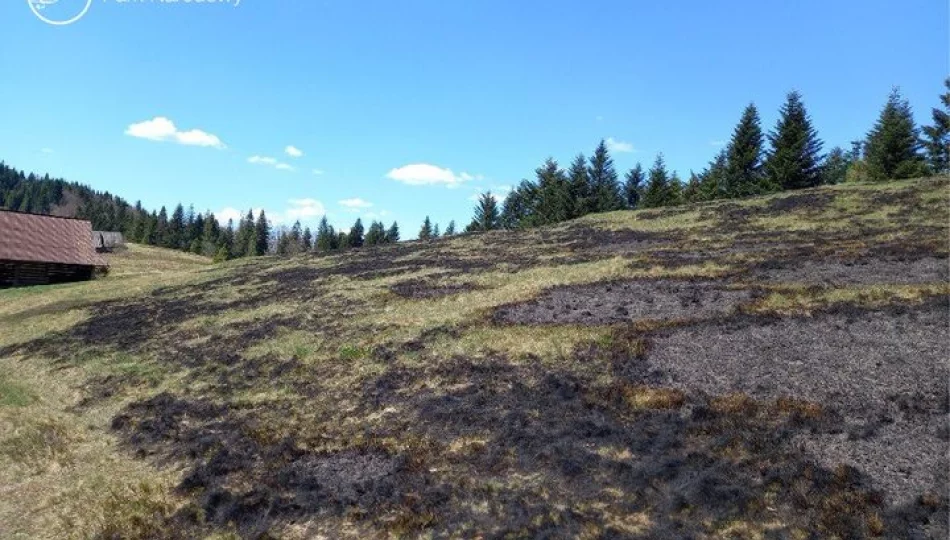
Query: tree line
(752,163)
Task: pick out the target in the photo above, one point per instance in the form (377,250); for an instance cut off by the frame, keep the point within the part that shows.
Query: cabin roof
(48,239)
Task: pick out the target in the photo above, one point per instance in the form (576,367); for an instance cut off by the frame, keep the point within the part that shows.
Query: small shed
(37,250)
(108,242)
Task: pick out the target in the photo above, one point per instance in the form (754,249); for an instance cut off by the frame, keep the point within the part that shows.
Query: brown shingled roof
(36,238)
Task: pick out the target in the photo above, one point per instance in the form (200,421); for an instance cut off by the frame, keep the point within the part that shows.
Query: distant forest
(752,163)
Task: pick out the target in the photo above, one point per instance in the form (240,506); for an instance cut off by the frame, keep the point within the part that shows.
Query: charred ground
(773,367)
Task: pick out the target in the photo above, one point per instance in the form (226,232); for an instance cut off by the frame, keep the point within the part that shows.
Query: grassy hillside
(773,367)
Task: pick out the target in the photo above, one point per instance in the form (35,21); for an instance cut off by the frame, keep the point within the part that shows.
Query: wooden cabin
(38,250)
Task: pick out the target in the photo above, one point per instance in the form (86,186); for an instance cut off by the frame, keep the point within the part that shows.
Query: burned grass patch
(625,301)
(429,288)
(844,272)
(847,360)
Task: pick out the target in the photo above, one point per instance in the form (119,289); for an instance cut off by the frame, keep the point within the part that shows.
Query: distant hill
(55,196)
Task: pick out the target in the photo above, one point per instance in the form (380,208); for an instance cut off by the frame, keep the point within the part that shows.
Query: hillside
(768,367)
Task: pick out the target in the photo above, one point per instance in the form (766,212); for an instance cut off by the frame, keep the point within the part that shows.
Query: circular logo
(59,12)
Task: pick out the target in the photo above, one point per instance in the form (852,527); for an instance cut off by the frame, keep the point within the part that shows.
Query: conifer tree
(425,232)
(891,150)
(712,181)
(633,185)
(342,240)
(835,168)
(210,233)
(794,161)
(744,157)
(937,141)
(657,192)
(375,235)
(691,191)
(580,188)
(517,208)
(553,198)
(161,228)
(487,217)
(392,234)
(355,237)
(175,238)
(243,236)
(450,229)
(435,231)
(307,240)
(603,180)
(261,234)
(325,236)
(226,238)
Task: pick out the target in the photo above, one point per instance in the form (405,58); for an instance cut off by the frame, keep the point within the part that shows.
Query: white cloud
(269,161)
(293,151)
(620,147)
(318,172)
(497,192)
(304,209)
(355,203)
(162,129)
(424,174)
(228,213)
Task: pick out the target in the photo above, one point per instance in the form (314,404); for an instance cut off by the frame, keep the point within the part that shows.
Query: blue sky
(415,106)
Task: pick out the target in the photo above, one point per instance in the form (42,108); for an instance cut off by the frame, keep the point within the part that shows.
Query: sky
(395,110)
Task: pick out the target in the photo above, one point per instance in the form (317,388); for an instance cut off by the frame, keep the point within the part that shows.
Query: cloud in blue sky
(425,174)
(162,129)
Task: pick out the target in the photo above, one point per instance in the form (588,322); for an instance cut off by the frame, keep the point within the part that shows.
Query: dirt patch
(838,273)
(625,301)
(860,364)
(429,288)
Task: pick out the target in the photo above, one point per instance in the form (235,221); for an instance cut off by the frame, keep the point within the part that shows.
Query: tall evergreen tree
(794,161)
(633,186)
(603,180)
(891,150)
(518,206)
(435,231)
(658,191)
(355,237)
(937,141)
(376,234)
(326,236)
(487,217)
(553,202)
(713,181)
(744,157)
(242,237)
(392,234)
(261,235)
(161,228)
(307,240)
(580,188)
(425,232)
(175,238)
(450,229)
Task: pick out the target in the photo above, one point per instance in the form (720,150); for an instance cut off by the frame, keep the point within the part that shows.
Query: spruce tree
(425,232)
(712,181)
(392,234)
(937,141)
(375,235)
(450,229)
(891,150)
(487,217)
(603,181)
(633,186)
(307,241)
(261,234)
(553,201)
(325,236)
(435,231)
(518,208)
(835,168)
(657,192)
(794,161)
(161,228)
(580,188)
(175,238)
(243,236)
(692,190)
(744,157)
(355,237)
